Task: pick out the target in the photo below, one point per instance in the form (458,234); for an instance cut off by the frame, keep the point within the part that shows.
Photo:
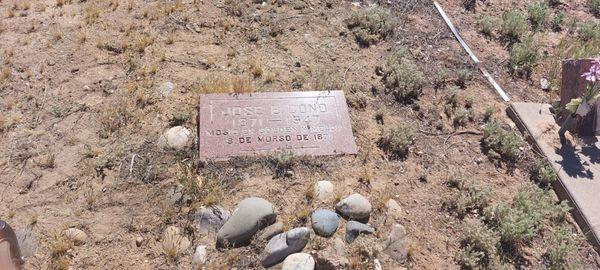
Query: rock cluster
(255,218)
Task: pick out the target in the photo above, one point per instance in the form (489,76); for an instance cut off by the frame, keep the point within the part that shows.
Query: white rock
(298,261)
(393,209)
(544,84)
(199,256)
(166,88)
(354,206)
(324,191)
(175,138)
(76,235)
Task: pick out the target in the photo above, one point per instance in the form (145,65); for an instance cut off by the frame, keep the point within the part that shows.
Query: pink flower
(593,74)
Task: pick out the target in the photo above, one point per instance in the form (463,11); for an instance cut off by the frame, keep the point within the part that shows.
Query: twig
(131,164)
(472,132)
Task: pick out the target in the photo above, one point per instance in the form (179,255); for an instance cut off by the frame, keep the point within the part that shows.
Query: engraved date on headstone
(313,123)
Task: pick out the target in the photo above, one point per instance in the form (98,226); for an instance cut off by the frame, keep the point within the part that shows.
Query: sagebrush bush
(397,140)
(538,13)
(460,115)
(522,220)
(471,196)
(523,57)
(560,246)
(594,6)
(514,25)
(542,172)
(557,21)
(372,25)
(479,245)
(486,24)
(402,78)
(589,31)
(500,142)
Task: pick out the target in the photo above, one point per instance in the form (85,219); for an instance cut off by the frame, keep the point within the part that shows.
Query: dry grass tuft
(46,161)
(256,67)
(242,84)
(214,83)
(142,42)
(91,13)
(59,246)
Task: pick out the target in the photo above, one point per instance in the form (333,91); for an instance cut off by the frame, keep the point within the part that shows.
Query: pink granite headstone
(573,86)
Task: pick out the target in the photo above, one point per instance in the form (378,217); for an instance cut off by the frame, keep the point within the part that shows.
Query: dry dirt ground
(79,96)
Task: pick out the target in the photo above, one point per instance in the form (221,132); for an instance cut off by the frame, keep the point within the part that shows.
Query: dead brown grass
(91,13)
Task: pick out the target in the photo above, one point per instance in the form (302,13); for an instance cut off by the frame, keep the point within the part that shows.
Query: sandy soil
(83,91)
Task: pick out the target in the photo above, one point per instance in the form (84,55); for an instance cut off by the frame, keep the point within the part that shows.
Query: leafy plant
(471,196)
(486,24)
(538,13)
(594,6)
(589,31)
(519,222)
(402,78)
(542,172)
(500,142)
(560,246)
(372,25)
(523,57)
(397,140)
(557,21)
(479,245)
(514,25)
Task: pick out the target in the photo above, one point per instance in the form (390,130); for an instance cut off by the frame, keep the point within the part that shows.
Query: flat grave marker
(306,123)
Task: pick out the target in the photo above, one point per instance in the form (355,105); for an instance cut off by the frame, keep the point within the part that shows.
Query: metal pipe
(10,257)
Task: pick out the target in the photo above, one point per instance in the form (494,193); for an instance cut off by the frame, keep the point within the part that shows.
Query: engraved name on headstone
(311,123)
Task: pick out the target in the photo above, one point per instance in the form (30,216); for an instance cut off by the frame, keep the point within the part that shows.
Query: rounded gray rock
(354,206)
(298,261)
(250,216)
(325,222)
(271,231)
(397,244)
(211,218)
(284,244)
(355,228)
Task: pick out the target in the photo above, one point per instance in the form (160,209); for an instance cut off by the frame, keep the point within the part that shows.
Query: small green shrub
(514,25)
(520,222)
(589,31)
(538,13)
(557,21)
(460,115)
(479,245)
(523,57)
(488,114)
(560,246)
(464,75)
(402,78)
(397,140)
(594,6)
(471,196)
(486,24)
(542,172)
(372,25)
(500,142)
